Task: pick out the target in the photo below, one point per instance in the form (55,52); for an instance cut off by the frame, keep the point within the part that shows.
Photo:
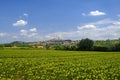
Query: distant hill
(18,42)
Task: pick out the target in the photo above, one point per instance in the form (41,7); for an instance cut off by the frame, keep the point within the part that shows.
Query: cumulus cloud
(33,30)
(3,34)
(23,31)
(95,30)
(29,33)
(96,13)
(20,23)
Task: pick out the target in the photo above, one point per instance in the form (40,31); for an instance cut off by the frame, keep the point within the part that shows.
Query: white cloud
(3,34)
(24,32)
(29,33)
(88,26)
(95,30)
(117,23)
(96,13)
(32,35)
(33,30)
(20,23)
(25,14)
(104,21)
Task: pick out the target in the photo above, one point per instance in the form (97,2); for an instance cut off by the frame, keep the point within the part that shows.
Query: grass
(58,65)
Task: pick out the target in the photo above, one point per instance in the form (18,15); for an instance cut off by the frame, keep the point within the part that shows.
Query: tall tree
(85,44)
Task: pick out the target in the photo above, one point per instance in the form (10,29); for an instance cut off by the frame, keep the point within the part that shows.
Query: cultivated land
(58,65)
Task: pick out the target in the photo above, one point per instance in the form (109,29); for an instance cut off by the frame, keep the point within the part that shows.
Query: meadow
(58,65)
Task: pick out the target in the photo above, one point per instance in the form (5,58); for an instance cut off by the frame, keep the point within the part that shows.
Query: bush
(100,48)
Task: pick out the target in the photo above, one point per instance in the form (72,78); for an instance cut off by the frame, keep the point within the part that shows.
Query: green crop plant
(58,65)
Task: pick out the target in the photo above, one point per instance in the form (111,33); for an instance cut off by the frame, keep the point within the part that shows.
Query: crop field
(58,65)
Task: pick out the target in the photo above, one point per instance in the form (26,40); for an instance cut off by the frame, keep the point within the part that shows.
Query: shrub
(100,48)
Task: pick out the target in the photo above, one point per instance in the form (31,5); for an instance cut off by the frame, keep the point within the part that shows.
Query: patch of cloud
(3,34)
(29,33)
(117,23)
(20,23)
(24,32)
(88,26)
(32,35)
(96,13)
(33,30)
(94,30)
(104,21)
(25,14)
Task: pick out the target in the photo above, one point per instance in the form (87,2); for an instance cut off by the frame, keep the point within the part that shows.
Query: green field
(59,65)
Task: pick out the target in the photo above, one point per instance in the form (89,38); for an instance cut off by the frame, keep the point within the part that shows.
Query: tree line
(78,45)
(90,45)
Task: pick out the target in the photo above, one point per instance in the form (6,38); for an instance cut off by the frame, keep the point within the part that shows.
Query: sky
(39,20)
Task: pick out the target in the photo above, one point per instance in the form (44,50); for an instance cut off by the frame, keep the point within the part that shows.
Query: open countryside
(58,65)
(59,39)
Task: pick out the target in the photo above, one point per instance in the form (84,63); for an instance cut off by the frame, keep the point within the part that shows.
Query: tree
(85,44)
(47,46)
(117,46)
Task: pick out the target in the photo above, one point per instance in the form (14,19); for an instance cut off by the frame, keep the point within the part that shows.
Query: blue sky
(38,20)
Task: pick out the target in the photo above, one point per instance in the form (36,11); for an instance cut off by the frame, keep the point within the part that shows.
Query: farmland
(58,65)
